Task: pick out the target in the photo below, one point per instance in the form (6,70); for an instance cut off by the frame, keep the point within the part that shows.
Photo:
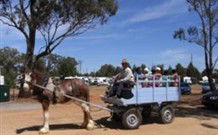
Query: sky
(141,32)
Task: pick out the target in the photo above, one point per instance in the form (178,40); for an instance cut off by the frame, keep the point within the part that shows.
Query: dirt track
(25,119)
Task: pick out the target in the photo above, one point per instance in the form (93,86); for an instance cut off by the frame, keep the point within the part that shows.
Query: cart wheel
(167,114)
(131,119)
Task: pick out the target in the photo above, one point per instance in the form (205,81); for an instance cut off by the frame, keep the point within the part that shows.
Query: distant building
(2,80)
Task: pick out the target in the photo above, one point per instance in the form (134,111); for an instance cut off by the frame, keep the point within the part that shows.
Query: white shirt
(126,75)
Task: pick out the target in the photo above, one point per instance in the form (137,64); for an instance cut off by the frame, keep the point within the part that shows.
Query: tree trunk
(210,80)
(29,60)
(209,71)
(210,51)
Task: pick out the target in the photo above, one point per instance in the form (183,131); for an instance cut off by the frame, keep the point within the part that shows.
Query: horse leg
(45,106)
(85,121)
(88,122)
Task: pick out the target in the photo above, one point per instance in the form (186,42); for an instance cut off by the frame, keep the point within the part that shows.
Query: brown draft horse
(75,88)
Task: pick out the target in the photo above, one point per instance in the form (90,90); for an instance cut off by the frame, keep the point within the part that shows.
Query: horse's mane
(39,76)
(40,79)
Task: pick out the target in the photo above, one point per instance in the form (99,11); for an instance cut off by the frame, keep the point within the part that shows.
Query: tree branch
(215,62)
(215,43)
(24,10)
(72,30)
(14,25)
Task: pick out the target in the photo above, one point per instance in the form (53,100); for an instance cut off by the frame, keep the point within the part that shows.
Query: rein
(39,86)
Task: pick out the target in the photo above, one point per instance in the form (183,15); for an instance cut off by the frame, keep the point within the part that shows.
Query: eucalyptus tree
(204,33)
(54,20)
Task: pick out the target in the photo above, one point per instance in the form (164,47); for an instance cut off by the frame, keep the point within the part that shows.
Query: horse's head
(38,78)
(27,78)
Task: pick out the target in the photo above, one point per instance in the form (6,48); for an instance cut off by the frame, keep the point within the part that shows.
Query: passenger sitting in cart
(138,74)
(156,75)
(124,79)
(175,78)
(147,71)
(146,74)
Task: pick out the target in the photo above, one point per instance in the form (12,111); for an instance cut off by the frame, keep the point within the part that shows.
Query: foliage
(10,59)
(41,65)
(204,35)
(143,66)
(52,65)
(55,20)
(169,71)
(193,72)
(106,70)
(92,74)
(56,65)
(134,68)
(67,66)
(181,70)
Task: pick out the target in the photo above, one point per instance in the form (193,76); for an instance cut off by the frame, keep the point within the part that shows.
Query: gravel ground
(25,118)
(13,106)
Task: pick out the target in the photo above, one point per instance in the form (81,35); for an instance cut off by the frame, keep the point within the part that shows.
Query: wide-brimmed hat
(146,69)
(158,68)
(124,61)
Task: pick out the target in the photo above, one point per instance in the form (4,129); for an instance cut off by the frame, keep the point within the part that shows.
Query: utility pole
(80,66)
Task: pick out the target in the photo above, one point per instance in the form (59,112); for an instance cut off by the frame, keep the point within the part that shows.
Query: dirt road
(24,118)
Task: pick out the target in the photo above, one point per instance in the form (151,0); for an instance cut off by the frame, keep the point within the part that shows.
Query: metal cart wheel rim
(167,115)
(132,120)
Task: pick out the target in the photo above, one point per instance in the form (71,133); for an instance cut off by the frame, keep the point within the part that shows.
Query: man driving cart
(125,79)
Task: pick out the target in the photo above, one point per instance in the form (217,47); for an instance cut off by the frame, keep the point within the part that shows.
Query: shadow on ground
(103,123)
(209,126)
(117,124)
(198,112)
(52,127)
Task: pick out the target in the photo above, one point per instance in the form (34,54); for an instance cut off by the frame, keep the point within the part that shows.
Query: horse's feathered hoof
(84,125)
(44,130)
(91,125)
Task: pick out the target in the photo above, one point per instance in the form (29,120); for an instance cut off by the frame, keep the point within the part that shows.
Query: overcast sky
(142,32)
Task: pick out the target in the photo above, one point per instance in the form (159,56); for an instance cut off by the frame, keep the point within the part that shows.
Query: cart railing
(156,89)
(158,81)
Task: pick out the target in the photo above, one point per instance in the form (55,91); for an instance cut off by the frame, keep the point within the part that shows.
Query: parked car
(206,88)
(185,88)
(187,79)
(210,100)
